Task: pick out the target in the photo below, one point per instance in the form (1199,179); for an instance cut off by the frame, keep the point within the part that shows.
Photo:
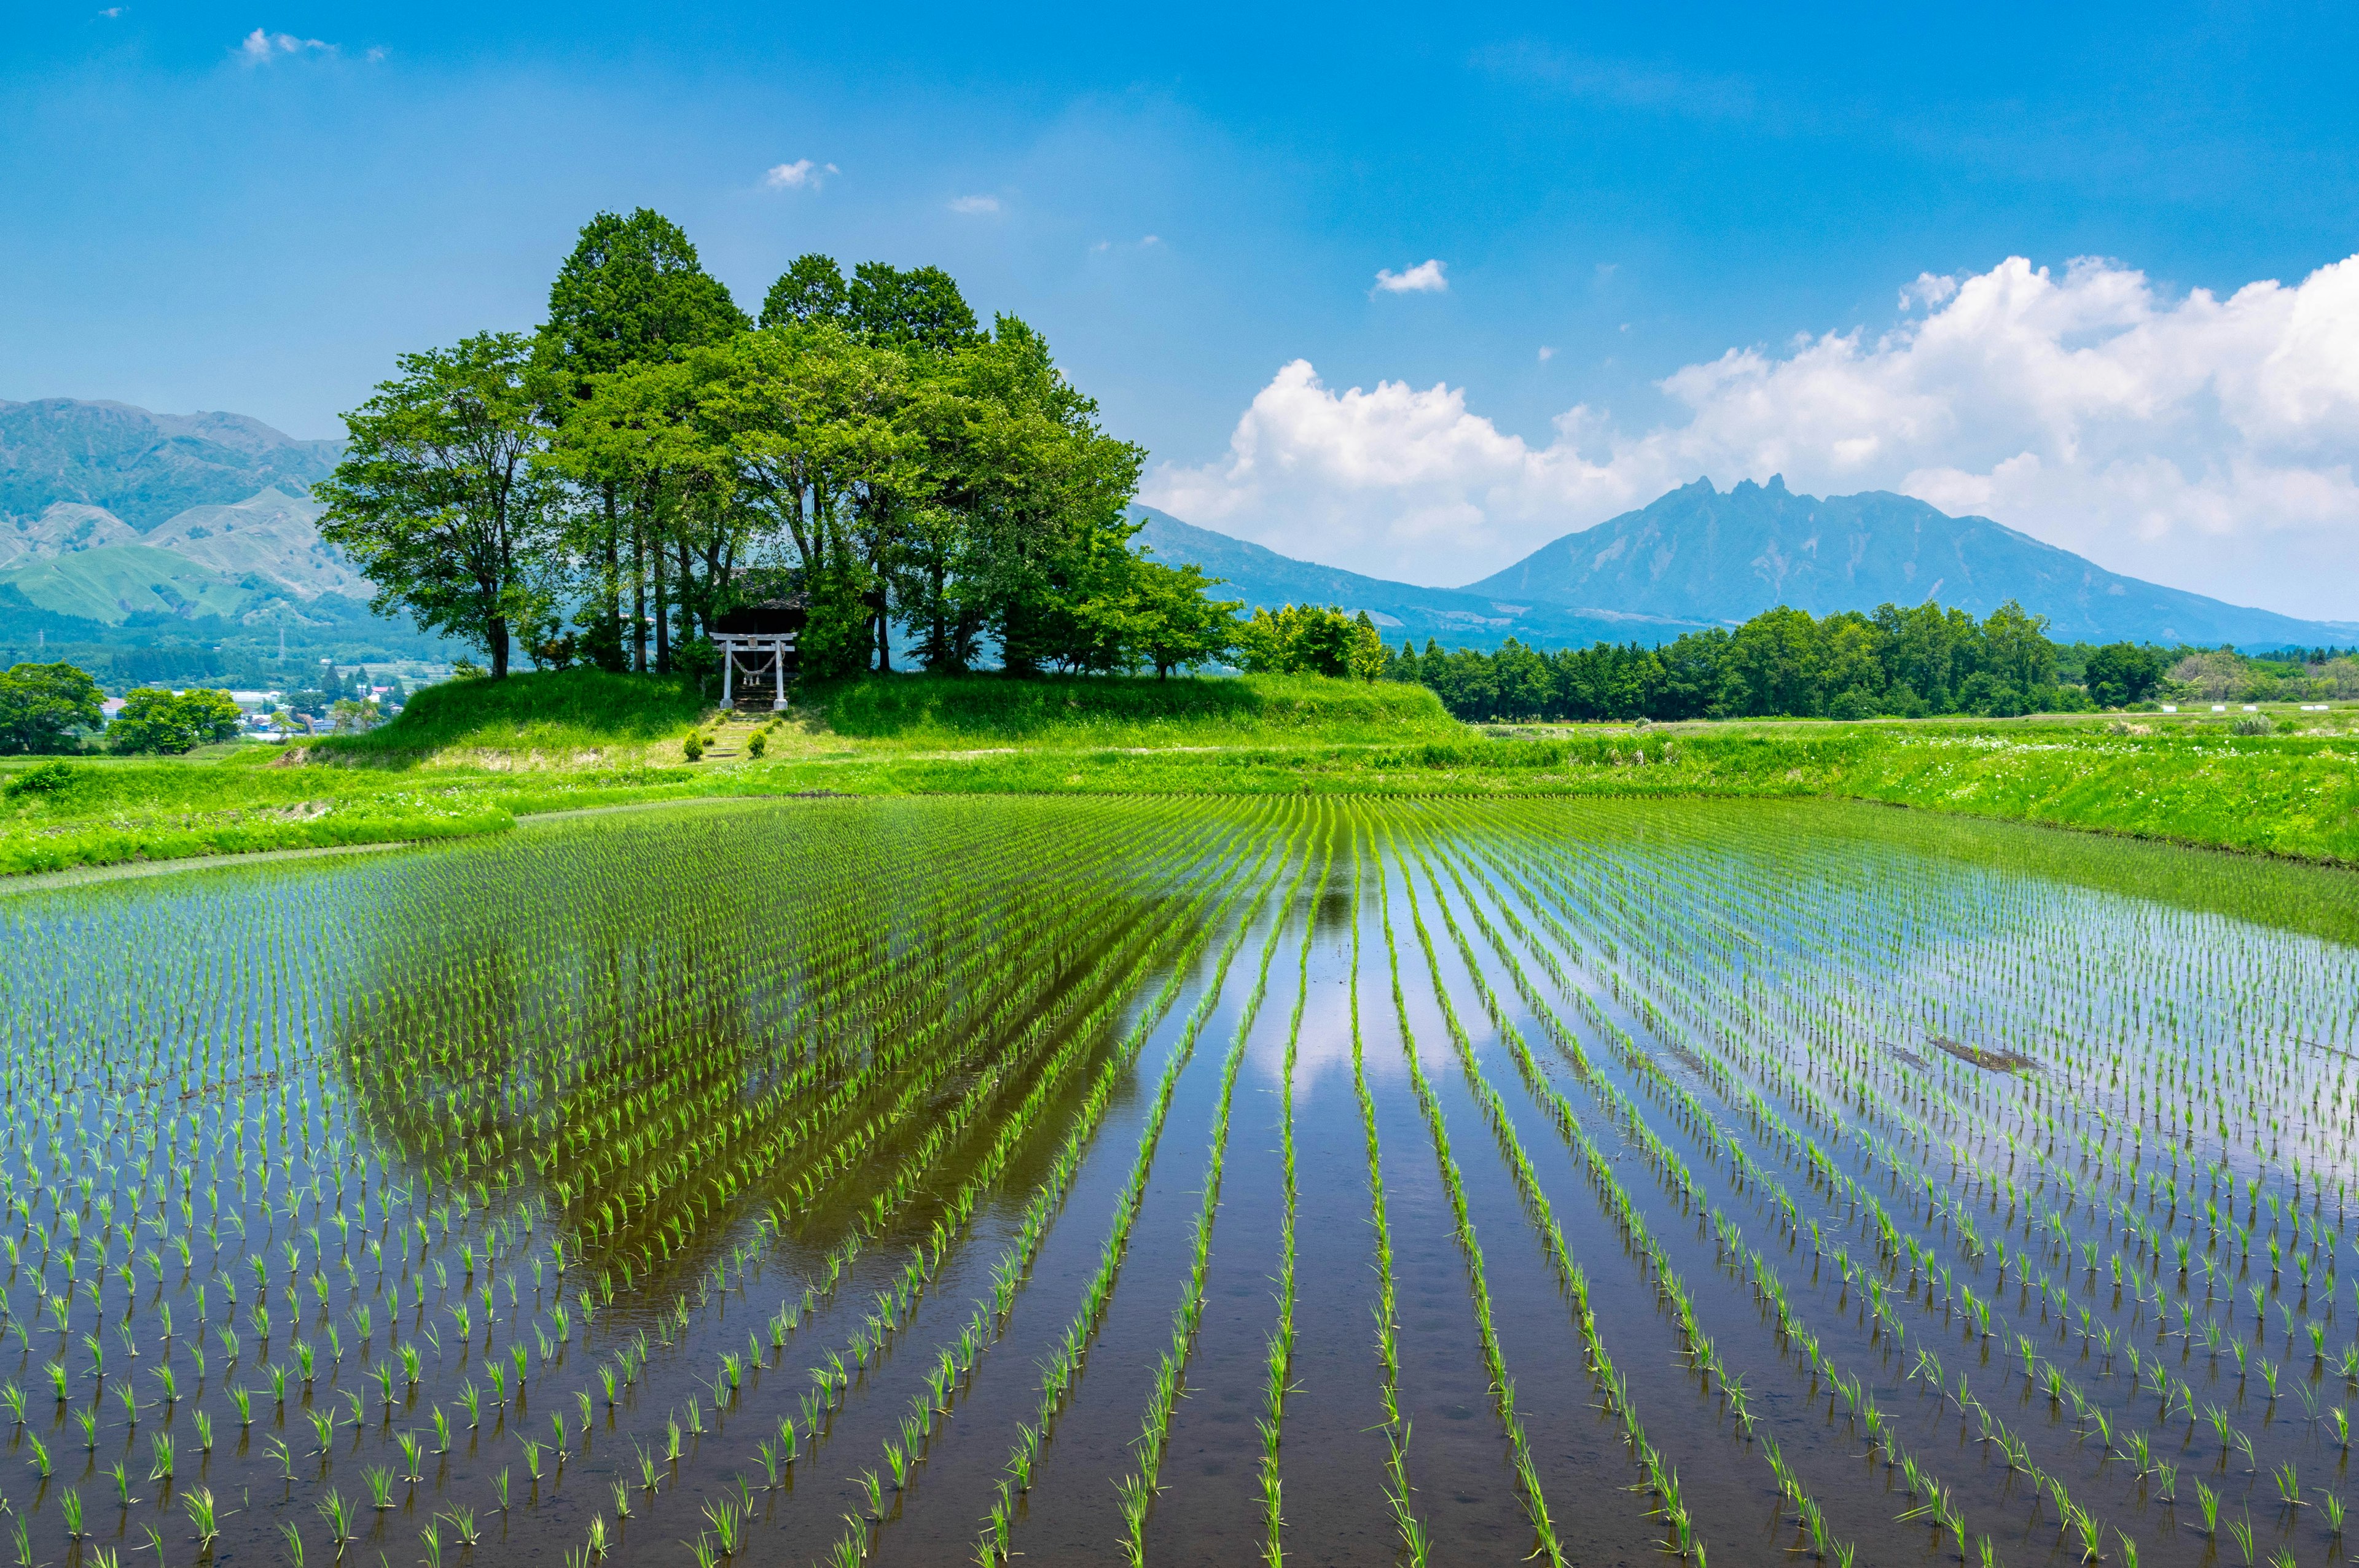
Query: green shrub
(691,746)
(48,778)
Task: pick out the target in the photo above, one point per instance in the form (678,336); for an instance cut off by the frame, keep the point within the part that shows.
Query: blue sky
(1706,217)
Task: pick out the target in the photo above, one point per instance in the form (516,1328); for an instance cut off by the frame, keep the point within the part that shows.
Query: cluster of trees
(1308,639)
(45,708)
(607,487)
(169,724)
(1905,662)
(2223,674)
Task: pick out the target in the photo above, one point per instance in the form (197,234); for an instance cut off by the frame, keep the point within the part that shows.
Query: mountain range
(117,523)
(111,516)
(1700,557)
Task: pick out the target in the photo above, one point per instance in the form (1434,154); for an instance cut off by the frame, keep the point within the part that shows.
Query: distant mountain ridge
(144,467)
(109,513)
(1724,556)
(113,517)
(1263,579)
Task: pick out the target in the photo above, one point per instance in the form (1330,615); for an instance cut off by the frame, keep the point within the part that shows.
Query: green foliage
(155,720)
(42,705)
(2121,675)
(651,459)
(351,716)
(437,501)
(1309,639)
(42,779)
(1900,662)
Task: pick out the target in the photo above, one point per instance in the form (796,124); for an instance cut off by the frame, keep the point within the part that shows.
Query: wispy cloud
(800,175)
(1425,278)
(975,205)
(260,46)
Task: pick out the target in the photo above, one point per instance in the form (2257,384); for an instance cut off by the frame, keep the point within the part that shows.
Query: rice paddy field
(1116,1181)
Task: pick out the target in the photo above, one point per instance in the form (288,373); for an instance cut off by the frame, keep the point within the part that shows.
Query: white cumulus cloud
(2202,441)
(800,175)
(260,48)
(976,204)
(1425,278)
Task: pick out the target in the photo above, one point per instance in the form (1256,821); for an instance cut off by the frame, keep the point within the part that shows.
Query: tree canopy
(651,458)
(42,705)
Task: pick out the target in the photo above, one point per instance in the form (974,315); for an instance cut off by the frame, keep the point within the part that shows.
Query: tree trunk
(496,638)
(638,595)
(612,597)
(663,618)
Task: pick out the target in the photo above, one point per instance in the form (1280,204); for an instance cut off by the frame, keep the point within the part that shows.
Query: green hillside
(111,585)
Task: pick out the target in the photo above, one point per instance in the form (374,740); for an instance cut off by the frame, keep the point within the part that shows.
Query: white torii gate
(735,645)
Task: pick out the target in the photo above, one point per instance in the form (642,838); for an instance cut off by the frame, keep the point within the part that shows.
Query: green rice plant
(339,1515)
(199,1501)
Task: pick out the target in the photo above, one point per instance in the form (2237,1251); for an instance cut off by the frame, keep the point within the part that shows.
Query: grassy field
(473,757)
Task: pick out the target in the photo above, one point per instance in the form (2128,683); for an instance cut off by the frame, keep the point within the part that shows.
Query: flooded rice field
(1179,1181)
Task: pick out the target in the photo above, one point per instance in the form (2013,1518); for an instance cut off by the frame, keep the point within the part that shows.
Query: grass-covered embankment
(565,716)
(471,757)
(1089,711)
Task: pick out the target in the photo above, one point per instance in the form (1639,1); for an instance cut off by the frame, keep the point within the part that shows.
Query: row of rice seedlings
(906,1179)
(1416,1543)
(1126,962)
(2060,1383)
(1697,1346)
(1138,1488)
(868,1342)
(1032,974)
(1179,940)
(545,1346)
(1280,1353)
(1940,1510)
(1502,1388)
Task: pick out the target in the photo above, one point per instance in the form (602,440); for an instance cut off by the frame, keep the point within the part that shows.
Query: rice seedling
(491,1129)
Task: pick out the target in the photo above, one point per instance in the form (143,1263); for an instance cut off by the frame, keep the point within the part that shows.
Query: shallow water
(712,1100)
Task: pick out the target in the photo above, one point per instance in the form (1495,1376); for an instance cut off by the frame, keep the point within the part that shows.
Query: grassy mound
(1120,710)
(554,711)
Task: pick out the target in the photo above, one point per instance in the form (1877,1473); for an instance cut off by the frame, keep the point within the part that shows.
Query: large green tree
(41,706)
(437,501)
(631,294)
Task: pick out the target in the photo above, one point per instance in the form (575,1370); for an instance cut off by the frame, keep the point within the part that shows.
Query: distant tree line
(607,487)
(1904,662)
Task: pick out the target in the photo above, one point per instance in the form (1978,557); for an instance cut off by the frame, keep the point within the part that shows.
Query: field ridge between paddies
(471,757)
